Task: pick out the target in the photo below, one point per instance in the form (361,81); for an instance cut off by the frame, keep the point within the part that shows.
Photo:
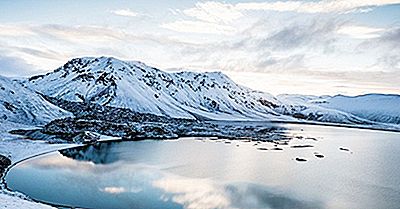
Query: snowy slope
(383,108)
(134,85)
(22,106)
(310,108)
(14,202)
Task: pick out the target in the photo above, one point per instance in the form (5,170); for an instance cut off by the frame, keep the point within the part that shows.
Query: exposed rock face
(4,163)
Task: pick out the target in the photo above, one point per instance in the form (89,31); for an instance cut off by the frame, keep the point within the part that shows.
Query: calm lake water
(344,168)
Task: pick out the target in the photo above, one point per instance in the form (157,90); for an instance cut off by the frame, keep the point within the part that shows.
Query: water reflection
(188,192)
(98,153)
(189,173)
(114,190)
(203,193)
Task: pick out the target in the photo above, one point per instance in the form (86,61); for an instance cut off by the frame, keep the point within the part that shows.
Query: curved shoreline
(3,183)
(4,187)
(13,164)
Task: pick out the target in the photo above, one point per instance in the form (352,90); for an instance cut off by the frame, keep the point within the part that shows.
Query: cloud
(125,13)
(317,34)
(285,48)
(51,45)
(213,12)
(290,62)
(13,30)
(221,18)
(360,32)
(390,39)
(322,6)
(33,51)
(76,33)
(14,66)
(387,48)
(207,17)
(199,27)
(226,37)
(193,193)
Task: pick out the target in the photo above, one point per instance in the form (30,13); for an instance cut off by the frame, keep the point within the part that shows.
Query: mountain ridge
(208,96)
(109,81)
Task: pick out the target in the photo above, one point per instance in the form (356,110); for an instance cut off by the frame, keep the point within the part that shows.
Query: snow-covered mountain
(20,105)
(210,95)
(384,108)
(134,85)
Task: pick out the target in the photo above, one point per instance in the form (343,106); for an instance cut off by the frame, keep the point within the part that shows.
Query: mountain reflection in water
(98,153)
(356,171)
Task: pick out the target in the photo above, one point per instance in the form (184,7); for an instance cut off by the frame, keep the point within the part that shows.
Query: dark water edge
(384,127)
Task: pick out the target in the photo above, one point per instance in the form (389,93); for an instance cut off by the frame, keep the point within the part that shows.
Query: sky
(314,47)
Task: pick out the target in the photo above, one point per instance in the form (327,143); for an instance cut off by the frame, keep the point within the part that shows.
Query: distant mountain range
(204,96)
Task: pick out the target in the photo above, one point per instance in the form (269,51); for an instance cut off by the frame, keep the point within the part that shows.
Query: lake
(321,167)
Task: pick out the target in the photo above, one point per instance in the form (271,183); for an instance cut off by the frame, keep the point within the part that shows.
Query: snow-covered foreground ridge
(19,104)
(209,95)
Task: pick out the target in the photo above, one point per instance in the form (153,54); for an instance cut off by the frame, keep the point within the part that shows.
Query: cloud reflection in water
(204,193)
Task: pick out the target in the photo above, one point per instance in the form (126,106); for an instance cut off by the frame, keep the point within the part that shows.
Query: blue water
(205,173)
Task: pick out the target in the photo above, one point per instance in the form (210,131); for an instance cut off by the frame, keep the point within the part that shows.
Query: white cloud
(14,66)
(199,27)
(274,6)
(209,17)
(12,30)
(125,13)
(360,32)
(194,193)
(324,6)
(213,12)
(174,11)
(222,18)
(245,37)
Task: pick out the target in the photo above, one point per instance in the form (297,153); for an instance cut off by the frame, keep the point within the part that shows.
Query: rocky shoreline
(91,120)
(4,163)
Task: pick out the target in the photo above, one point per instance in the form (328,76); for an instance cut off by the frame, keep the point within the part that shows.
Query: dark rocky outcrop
(129,125)
(299,159)
(4,163)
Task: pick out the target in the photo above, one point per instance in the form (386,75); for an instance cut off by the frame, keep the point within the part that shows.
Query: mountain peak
(134,85)
(109,81)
